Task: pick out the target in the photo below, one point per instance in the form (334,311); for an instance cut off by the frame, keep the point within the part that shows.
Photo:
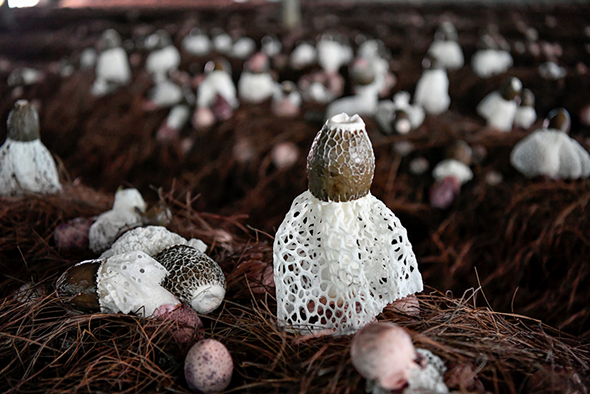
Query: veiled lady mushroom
(526,114)
(26,166)
(550,152)
(340,255)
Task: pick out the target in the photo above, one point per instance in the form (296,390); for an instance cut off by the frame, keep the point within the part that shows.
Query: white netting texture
(337,265)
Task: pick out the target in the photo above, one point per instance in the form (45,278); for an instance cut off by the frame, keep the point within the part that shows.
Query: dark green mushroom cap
(558,119)
(78,285)
(190,270)
(510,88)
(341,163)
(446,32)
(23,122)
(460,151)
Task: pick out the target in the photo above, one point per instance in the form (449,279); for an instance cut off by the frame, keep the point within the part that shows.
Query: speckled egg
(208,366)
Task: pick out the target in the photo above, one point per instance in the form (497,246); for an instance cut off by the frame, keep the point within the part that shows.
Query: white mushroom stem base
(337,265)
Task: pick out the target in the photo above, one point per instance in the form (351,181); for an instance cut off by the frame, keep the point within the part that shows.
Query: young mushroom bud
(383,354)
(550,152)
(341,164)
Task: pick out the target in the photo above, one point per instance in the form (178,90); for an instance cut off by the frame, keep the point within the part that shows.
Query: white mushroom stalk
(340,255)
(26,165)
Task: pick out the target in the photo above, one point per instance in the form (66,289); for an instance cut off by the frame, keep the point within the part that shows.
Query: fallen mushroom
(26,165)
(340,255)
(383,354)
(134,282)
(208,366)
(550,152)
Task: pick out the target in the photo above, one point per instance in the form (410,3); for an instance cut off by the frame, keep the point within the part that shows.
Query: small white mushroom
(432,89)
(499,107)
(218,81)
(256,84)
(243,47)
(550,152)
(526,114)
(26,166)
(454,168)
(126,214)
(163,59)
(197,43)
(302,56)
(208,367)
(112,66)
(446,48)
(383,354)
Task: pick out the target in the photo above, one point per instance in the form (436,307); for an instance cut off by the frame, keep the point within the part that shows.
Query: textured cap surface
(341,163)
(194,278)
(23,122)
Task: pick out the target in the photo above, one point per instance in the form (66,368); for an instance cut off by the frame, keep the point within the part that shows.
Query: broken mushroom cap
(208,366)
(384,353)
(341,163)
(23,122)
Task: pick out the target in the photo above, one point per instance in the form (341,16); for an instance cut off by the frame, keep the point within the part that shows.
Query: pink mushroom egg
(384,353)
(208,366)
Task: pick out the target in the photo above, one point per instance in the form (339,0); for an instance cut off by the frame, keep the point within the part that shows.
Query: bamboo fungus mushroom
(340,255)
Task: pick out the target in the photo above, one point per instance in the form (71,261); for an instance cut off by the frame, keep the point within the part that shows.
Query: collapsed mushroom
(340,255)
(26,166)
(550,152)
(176,268)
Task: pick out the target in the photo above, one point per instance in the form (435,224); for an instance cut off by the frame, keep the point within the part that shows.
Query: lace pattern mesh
(337,265)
